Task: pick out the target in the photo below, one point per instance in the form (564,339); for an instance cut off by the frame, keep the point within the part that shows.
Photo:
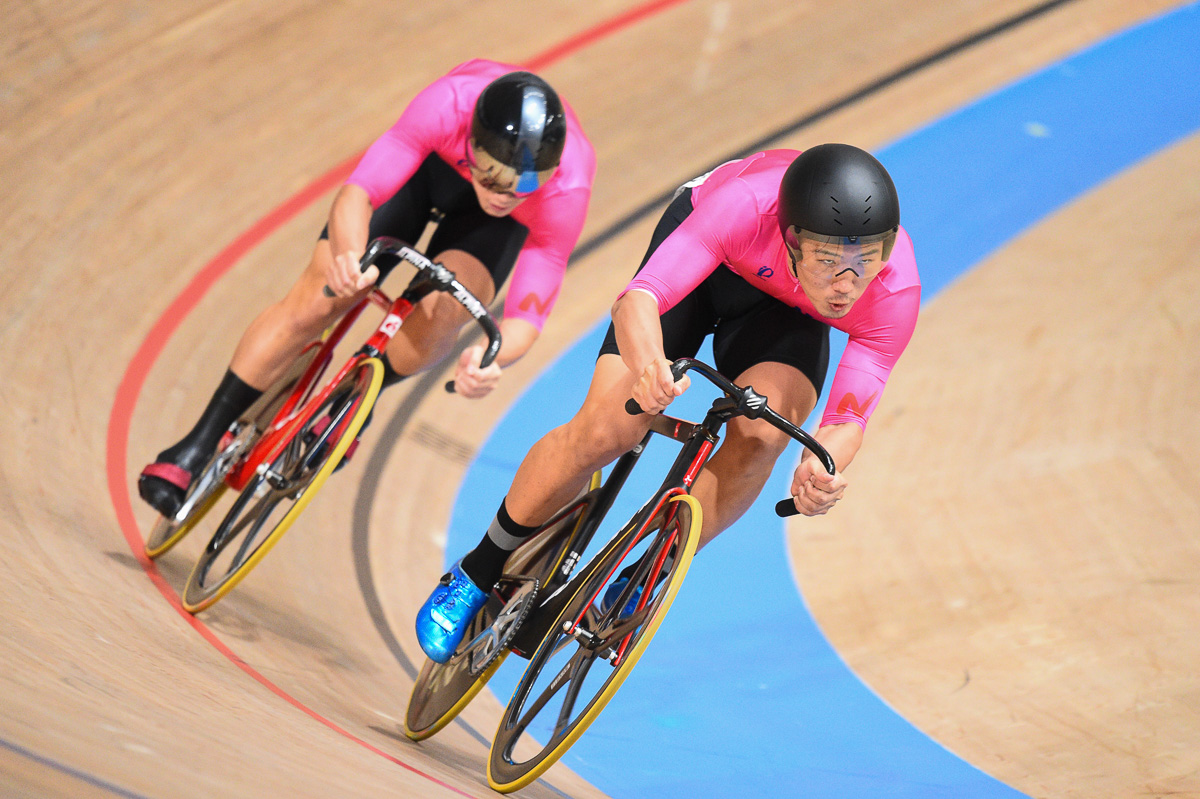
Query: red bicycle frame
(301,404)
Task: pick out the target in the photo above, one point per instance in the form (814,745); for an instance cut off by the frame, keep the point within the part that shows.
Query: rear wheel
(241,438)
(588,652)
(277,494)
(443,690)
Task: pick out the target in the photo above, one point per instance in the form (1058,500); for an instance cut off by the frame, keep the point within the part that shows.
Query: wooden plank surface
(139,140)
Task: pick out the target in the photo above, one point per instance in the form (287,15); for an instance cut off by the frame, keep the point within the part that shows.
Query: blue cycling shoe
(613,594)
(443,620)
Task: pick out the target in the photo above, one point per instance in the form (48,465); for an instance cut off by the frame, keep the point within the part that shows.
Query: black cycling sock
(231,399)
(485,563)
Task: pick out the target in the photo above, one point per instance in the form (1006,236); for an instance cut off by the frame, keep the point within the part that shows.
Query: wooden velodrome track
(138,141)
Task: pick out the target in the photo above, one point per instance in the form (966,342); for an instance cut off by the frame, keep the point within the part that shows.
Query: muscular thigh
(305,303)
(788,390)
(602,423)
(469,271)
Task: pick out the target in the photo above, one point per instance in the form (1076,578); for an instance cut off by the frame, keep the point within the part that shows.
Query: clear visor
(862,255)
(497,177)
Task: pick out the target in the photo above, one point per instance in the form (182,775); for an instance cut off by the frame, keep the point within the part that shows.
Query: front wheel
(589,650)
(280,490)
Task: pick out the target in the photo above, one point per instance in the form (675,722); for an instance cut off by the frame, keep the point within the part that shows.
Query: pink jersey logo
(850,403)
(532,300)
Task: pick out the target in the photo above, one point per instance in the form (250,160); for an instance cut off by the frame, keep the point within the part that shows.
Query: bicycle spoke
(290,461)
(264,501)
(262,511)
(309,458)
(227,533)
(586,659)
(440,692)
(565,676)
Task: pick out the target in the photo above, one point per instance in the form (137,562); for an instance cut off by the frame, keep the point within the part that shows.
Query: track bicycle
(279,453)
(581,648)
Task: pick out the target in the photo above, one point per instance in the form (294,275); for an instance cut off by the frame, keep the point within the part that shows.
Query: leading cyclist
(508,166)
(765,254)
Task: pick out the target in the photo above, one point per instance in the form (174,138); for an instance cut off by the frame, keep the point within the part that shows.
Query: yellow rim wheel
(571,678)
(271,502)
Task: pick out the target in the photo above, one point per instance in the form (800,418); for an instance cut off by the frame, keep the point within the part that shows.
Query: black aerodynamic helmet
(839,193)
(517,133)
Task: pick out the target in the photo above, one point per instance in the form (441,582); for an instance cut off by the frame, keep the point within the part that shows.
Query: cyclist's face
(492,201)
(834,276)
(497,186)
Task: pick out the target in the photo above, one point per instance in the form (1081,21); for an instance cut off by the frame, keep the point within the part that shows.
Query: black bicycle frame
(698,441)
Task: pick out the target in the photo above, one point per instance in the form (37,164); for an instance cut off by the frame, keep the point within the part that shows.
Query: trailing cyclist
(506,164)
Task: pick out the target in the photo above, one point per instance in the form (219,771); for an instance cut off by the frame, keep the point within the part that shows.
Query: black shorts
(495,241)
(748,326)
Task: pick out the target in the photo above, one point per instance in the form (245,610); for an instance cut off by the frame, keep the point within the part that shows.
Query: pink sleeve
(395,156)
(539,271)
(693,250)
(869,358)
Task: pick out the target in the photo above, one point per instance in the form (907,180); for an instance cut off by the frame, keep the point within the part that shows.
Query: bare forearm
(639,330)
(516,337)
(842,441)
(349,220)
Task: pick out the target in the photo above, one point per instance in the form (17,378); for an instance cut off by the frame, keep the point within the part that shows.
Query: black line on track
(430,380)
(63,768)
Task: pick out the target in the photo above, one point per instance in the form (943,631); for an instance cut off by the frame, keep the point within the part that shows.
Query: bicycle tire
(301,468)
(441,691)
(609,633)
(208,488)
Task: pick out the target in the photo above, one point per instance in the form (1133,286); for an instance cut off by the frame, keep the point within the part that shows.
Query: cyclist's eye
(495,188)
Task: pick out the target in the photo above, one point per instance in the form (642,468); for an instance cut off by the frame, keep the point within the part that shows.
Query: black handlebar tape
(785,508)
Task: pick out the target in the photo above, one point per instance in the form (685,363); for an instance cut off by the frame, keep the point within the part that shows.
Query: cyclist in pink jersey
(502,163)
(765,254)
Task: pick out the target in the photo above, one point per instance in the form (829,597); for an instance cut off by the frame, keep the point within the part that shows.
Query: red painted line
(581,40)
(132,382)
